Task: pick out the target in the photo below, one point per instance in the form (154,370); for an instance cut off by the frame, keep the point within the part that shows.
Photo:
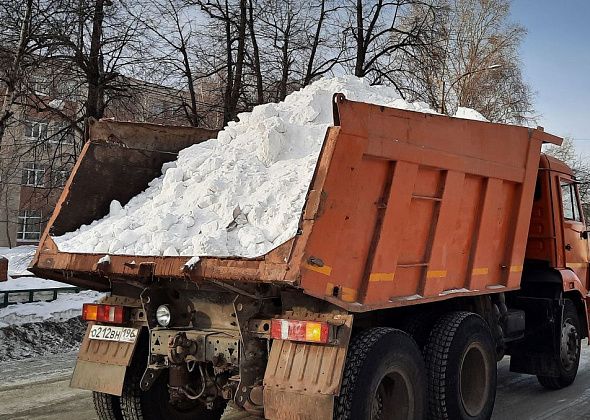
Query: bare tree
(17,41)
(379,35)
(233,18)
(471,60)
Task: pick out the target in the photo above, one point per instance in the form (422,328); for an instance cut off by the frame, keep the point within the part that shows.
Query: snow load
(240,194)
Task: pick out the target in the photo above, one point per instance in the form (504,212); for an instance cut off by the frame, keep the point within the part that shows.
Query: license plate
(122,334)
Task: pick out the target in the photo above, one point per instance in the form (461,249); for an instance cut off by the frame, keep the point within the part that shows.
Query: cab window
(571,208)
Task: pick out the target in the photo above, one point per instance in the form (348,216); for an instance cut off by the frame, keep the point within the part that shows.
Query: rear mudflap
(101,365)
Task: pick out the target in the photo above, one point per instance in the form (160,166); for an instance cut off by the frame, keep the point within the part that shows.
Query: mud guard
(572,284)
(101,365)
(302,379)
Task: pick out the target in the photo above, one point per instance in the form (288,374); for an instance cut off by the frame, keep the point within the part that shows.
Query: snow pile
(469,114)
(40,339)
(66,306)
(238,195)
(19,278)
(19,259)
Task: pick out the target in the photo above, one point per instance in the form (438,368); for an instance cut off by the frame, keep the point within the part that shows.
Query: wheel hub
(569,345)
(474,380)
(393,399)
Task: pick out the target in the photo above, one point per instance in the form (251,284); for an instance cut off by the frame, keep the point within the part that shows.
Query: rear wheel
(569,351)
(461,364)
(384,378)
(107,407)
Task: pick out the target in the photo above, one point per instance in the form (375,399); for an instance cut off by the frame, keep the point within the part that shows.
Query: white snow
(238,195)
(469,114)
(19,278)
(67,305)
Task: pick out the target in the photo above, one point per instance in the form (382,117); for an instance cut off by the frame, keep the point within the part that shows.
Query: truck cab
(558,236)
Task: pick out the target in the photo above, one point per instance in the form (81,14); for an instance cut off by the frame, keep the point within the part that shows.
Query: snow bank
(469,114)
(238,195)
(66,306)
(19,259)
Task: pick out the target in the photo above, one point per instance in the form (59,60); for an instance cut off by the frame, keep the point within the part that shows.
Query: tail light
(308,331)
(111,314)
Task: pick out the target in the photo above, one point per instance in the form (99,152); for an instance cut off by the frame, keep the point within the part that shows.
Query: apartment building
(45,136)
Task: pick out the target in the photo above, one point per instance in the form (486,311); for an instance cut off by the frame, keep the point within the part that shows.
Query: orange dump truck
(429,247)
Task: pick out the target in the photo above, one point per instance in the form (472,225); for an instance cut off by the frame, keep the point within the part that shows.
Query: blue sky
(556,59)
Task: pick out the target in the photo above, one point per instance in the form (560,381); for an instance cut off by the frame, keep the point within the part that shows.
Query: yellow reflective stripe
(516,268)
(348,294)
(381,276)
(479,271)
(576,265)
(436,273)
(326,270)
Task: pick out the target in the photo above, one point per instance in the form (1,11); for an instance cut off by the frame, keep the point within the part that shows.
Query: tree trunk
(15,72)
(94,74)
(360,41)
(285,60)
(236,85)
(256,55)
(314,46)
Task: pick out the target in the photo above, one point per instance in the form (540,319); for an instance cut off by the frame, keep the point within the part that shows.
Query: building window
(35,130)
(33,175)
(29,225)
(40,87)
(59,178)
(62,133)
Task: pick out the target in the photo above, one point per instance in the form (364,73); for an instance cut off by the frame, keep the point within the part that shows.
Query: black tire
(384,378)
(571,345)
(107,407)
(461,366)
(154,404)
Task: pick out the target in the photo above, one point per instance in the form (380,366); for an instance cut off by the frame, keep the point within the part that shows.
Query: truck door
(574,237)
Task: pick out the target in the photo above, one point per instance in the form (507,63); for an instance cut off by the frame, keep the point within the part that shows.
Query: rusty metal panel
(283,405)
(431,250)
(99,377)
(3,268)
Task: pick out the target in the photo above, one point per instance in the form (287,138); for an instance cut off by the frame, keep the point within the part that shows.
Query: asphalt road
(38,389)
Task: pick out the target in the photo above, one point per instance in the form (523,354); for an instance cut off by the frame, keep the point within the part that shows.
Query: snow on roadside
(19,259)
(40,339)
(66,306)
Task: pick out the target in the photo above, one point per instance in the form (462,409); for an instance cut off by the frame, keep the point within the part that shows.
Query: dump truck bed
(404,207)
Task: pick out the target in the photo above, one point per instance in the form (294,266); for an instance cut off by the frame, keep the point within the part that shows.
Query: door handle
(568,247)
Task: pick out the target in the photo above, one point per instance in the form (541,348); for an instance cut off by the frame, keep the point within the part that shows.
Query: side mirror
(584,234)
(3,269)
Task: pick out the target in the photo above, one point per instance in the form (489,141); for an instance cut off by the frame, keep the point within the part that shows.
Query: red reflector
(293,330)
(112,314)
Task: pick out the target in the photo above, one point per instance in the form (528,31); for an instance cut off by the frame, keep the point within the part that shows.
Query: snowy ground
(38,389)
(38,328)
(40,338)
(19,278)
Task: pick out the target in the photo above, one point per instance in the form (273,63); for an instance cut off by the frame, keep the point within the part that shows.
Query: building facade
(45,136)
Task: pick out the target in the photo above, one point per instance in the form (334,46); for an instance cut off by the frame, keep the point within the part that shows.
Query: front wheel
(384,378)
(569,350)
